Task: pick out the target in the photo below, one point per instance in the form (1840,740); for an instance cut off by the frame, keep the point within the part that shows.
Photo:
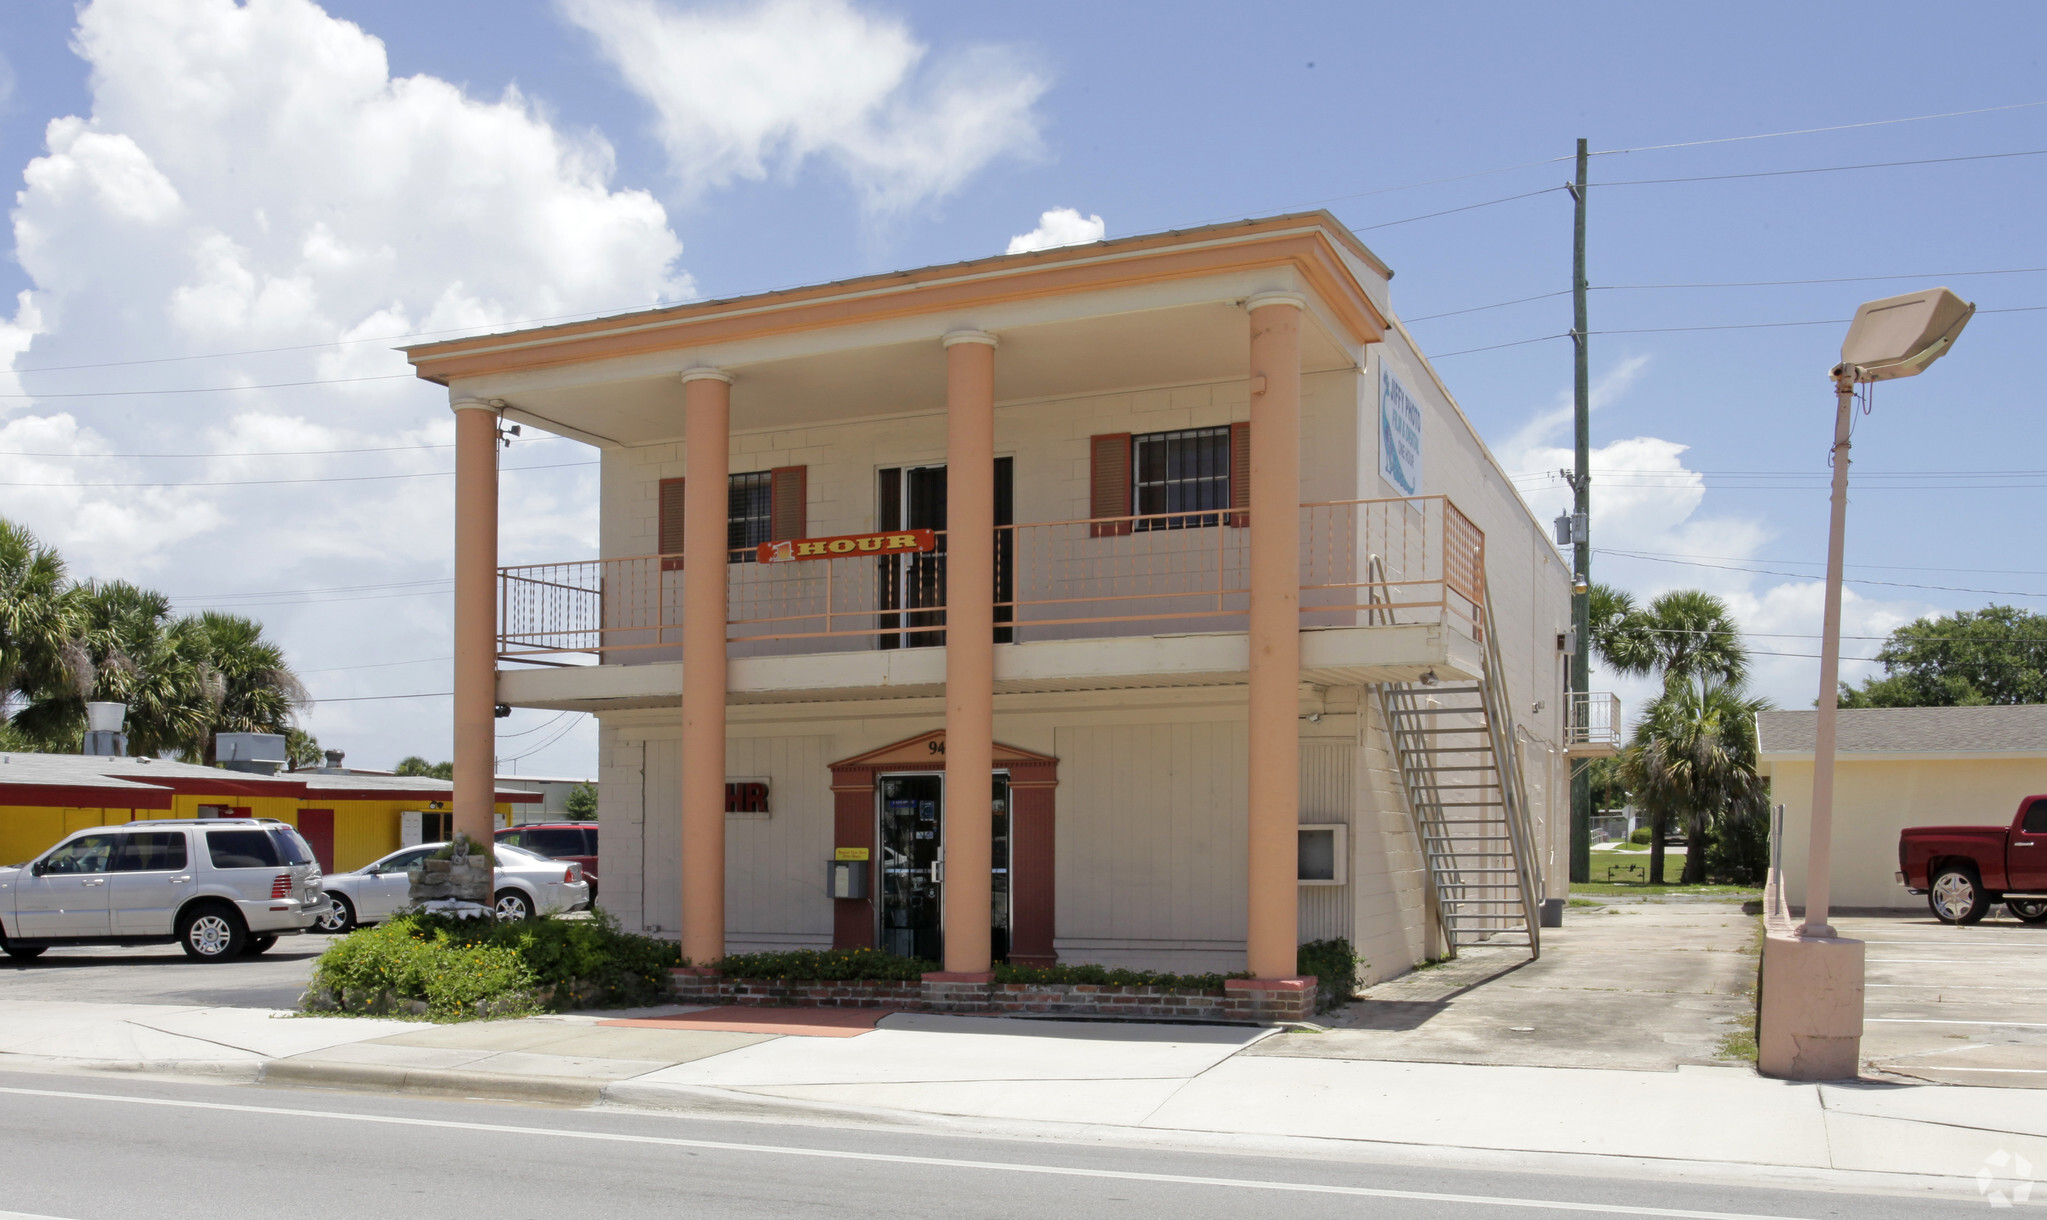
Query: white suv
(219,887)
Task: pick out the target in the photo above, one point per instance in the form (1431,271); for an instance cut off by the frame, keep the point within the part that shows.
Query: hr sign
(897,542)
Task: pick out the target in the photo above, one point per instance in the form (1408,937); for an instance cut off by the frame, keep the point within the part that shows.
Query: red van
(572,841)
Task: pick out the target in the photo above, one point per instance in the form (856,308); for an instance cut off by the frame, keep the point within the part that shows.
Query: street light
(1810,1023)
(1895,337)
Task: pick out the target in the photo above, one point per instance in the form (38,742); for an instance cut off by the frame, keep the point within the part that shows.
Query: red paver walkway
(747,1019)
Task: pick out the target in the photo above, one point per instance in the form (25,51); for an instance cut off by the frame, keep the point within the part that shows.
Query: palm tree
(136,652)
(1685,634)
(252,687)
(1692,759)
(39,619)
(1689,639)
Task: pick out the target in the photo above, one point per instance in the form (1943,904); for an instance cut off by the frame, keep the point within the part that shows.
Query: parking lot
(162,974)
(1953,1005)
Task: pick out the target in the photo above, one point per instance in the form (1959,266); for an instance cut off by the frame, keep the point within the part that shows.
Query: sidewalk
(1083,1079)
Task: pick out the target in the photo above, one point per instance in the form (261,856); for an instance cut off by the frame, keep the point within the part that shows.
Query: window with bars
(749,514)
(760,506)
(1180,480)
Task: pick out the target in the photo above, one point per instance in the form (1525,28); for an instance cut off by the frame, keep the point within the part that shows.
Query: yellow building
(1894,768)
(349,820)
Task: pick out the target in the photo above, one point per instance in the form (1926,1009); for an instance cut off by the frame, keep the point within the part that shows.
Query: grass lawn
(1614,873)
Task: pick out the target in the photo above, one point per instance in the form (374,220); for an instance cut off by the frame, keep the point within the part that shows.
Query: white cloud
(1059,227)
(1647,500)
(739,89)
(250,176)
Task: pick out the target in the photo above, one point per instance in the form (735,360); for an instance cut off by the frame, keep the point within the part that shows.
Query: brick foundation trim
(1242,1001)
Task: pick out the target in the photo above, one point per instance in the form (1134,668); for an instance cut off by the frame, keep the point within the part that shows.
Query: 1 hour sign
(896,542)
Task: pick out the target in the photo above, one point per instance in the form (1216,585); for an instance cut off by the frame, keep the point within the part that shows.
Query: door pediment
(926,751)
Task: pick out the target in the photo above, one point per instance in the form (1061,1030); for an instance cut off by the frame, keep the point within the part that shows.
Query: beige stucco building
(1894,768)
(1254,640)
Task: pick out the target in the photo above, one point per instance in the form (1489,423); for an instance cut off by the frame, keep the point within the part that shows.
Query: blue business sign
(1400,436)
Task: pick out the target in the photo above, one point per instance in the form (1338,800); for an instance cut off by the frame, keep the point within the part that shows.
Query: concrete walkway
(1090,1080)
(1645,986)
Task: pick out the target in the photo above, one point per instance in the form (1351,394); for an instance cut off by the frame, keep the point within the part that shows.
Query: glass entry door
(911,806)
(912,839)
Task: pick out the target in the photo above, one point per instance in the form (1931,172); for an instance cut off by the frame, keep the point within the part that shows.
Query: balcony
(1388,590)
(1592,725)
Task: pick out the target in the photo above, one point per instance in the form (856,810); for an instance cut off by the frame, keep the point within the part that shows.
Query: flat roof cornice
(1306,242)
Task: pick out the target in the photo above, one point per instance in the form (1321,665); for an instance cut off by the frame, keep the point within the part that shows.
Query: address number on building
(897,542)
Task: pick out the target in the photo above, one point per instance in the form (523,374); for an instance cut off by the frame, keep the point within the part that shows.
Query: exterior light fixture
(1429,678)
(1809,1023)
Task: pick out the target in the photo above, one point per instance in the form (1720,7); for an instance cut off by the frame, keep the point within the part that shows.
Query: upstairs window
(749,513)
(760,506)
(1178,480)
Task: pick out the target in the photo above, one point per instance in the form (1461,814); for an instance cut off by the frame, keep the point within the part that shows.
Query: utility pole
(1581,538)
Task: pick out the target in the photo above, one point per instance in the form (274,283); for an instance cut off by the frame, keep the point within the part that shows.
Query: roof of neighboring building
(98,781)
(129,783)
(2002,730)
(342,785)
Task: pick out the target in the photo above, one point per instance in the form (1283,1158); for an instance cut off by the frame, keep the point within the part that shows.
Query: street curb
(433,1082)
(700,1101)
(236,1071)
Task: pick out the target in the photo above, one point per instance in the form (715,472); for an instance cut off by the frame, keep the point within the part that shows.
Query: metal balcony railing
(1592,724)
(1082,579)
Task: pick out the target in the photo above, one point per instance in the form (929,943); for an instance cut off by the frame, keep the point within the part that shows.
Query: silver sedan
(527,885)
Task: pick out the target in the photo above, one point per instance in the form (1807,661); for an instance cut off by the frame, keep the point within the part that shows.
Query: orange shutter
(1109,483)
(669,542)
(788,487)
(1240,473)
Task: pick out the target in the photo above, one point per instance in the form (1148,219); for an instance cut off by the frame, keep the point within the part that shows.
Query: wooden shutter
(1109,483)
(669,534)
(1240,473)
(788,487)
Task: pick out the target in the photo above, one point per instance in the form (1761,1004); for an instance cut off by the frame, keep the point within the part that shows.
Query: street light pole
(1820,851)
(1809,1019)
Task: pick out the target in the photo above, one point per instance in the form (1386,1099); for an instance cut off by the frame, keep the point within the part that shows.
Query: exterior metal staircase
(1459,761)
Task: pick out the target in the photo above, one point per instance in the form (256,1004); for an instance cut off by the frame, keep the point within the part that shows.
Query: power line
(1466,208)
(1807,131)
(261,452)
(1817,563)
(1497,346)
(1826,169)
(1669,330)
(339,478)
(1894,584)
(553,720)
(223,389)
(432,694)
(335,669)
(311,347)
(566,730)
(1451,313)
(1839,279)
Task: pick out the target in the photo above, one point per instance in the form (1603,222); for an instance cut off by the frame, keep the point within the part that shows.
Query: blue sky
(245,197)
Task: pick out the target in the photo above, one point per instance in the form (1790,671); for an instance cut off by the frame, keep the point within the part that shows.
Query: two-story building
(1148,602)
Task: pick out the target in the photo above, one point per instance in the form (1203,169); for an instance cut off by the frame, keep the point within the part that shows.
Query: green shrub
(825,965)
(1105,976)
(1641,835)
(511,968)
(1335,967)
(394,965)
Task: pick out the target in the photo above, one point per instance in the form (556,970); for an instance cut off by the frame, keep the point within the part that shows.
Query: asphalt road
(162,974)
(104,1149)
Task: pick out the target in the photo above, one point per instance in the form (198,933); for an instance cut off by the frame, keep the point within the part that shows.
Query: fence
(1090,578)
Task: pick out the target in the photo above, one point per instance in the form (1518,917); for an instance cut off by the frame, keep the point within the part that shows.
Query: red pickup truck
(1966,870)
